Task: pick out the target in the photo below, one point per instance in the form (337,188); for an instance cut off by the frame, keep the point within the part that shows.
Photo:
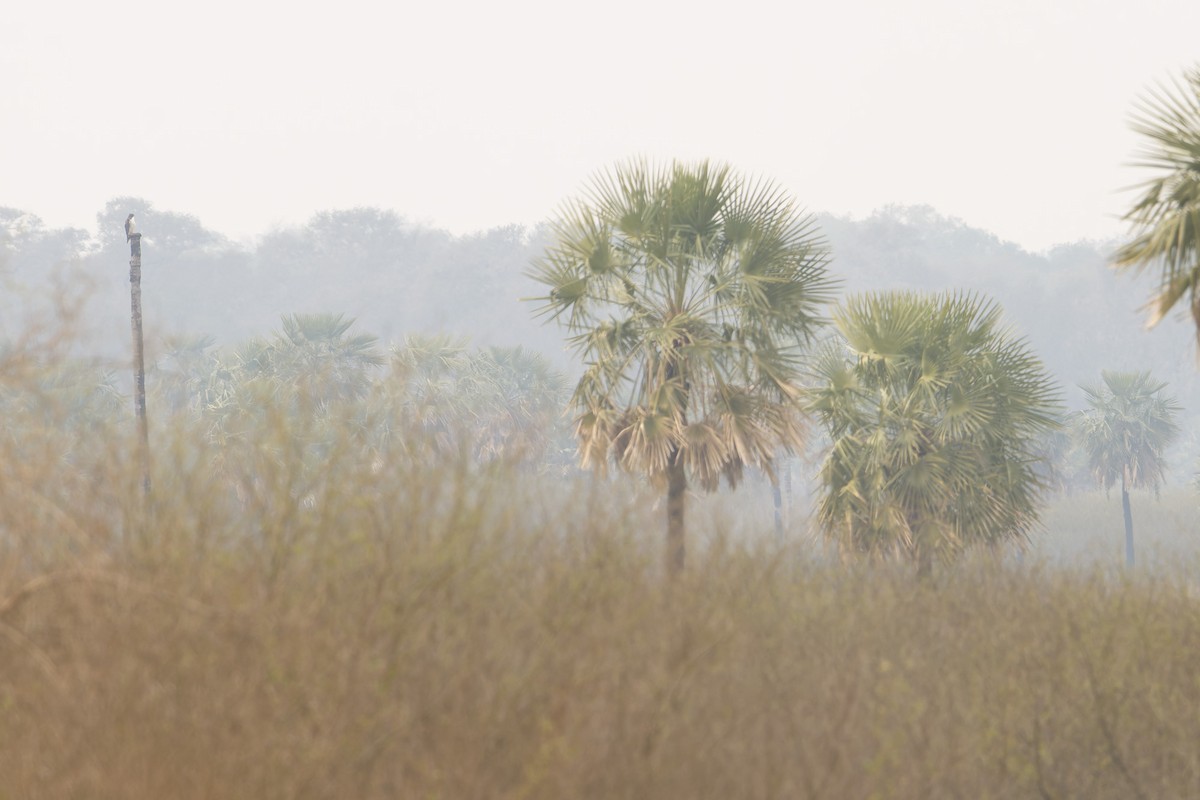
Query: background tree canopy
(398,278)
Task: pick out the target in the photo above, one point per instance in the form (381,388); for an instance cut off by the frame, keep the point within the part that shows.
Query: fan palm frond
(936,413)
(1165,217)
(689,291)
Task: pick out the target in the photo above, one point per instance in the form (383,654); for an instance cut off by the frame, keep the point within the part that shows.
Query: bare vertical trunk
(922,549)
(676,494)
(787,490)
(139,362)
(1128,517)
(924,563)
(777,496)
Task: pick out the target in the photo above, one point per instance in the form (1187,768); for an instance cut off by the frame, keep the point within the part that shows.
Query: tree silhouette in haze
(1125,430)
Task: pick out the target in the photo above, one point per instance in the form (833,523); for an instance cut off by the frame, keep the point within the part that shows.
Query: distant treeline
(397,277)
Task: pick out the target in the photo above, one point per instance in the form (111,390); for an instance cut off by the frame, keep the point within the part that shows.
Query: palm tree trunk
(777,495)
(676,476)
(787,490)
(676,493)
(924,563)
(1128,519)
(920,549)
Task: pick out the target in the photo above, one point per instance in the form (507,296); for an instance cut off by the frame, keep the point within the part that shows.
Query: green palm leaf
(1165,218)
(689,291)
(935,412)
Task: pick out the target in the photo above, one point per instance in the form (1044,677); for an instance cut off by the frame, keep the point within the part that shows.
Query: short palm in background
(1128,424)
(936,415)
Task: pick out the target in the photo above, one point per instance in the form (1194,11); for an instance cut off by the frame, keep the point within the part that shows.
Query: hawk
(130,227)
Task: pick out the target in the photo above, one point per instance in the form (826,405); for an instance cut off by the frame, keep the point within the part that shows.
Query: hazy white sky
(1012,116)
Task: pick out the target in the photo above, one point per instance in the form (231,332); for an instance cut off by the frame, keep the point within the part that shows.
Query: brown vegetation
(283,626)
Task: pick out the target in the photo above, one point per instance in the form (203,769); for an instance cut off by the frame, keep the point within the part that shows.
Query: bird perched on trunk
(130,227)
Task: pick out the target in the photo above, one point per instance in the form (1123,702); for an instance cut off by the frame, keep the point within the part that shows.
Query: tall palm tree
(687,290)
(1166,216)
(935,414)
(1128,424)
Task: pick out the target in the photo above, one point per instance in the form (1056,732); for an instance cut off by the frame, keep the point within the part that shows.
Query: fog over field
(398,165)
(645,399)
(467,116)
(396,278)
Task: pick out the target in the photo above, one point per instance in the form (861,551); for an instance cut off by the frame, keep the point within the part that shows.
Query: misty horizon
(1014,119)
(250,238)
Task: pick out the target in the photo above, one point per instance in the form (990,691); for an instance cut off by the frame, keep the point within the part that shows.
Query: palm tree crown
(935,414)
(1127,427)
(1166,216)
(314,353)
(496,402)
(689,291)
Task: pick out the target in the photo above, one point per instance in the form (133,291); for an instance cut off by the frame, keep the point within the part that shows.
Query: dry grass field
(284,621)
(1087,529)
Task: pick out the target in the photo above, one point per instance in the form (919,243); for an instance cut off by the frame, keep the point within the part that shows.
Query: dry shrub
(289,622)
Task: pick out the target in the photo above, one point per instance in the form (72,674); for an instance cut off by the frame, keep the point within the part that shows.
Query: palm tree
(494,404)
(187,374)
(1128,424)
(426,386)
(1166,216)
(312,367)
(688,290)
(520,406)
(935,413)
(314,353)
